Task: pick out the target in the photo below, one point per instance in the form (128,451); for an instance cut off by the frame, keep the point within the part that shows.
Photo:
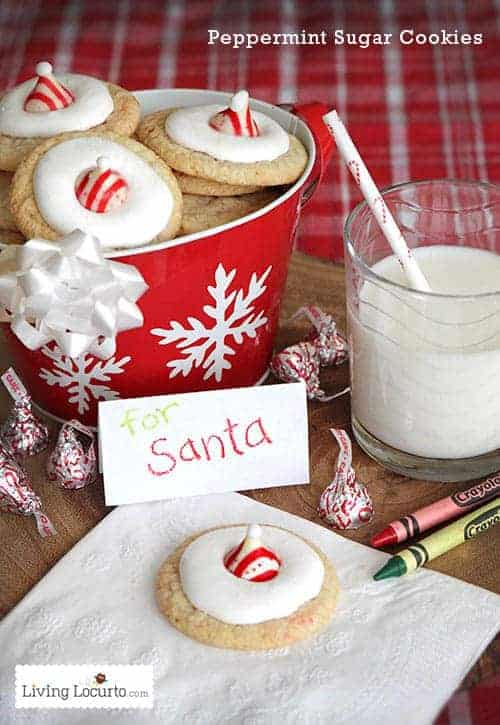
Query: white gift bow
(69,293)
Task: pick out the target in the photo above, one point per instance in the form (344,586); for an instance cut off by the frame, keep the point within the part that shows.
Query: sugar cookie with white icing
(247,589)
(48,105)
(231,145)
(204,212)
(107,185)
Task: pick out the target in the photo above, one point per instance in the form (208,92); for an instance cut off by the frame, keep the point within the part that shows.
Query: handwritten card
(196,443)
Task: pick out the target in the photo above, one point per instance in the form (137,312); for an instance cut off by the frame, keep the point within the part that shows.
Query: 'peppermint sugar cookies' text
(338,36)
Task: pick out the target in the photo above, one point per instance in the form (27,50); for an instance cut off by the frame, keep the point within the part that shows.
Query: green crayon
(467,527)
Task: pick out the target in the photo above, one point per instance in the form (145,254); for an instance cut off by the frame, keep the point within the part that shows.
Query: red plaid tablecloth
(415,112)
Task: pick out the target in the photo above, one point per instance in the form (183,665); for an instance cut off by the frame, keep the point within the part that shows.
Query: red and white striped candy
(345,503)
(237,119)
(101,189)
(252,561)
(48,94)
(16,493)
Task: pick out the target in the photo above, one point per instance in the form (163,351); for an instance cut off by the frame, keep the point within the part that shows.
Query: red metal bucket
(211,311)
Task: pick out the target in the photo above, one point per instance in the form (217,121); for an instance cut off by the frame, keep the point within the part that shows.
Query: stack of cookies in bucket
(74,154)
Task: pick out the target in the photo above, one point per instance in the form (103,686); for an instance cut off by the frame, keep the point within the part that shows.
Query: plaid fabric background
(415,112)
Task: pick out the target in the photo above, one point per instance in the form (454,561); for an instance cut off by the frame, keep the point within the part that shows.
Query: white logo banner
(84,686)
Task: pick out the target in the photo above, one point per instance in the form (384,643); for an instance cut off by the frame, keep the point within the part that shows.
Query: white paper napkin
(394,652)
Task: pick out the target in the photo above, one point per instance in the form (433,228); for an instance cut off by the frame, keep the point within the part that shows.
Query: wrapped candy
(300,363)
(69,293)
(345,503)
(251,560)
(72,463)
(24,433)
(331,345)
(16,494)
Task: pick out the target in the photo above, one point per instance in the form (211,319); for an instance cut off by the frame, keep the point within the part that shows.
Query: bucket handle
(312,114)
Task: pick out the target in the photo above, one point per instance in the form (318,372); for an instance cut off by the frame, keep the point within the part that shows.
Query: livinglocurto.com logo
(85,686)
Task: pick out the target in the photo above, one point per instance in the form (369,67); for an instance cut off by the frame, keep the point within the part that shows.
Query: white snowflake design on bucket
(234,317)
(83,377)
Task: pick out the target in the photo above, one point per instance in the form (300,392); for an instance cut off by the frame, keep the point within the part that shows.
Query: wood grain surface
(25,557)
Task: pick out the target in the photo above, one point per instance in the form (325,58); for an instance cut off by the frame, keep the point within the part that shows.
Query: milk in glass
(426,367)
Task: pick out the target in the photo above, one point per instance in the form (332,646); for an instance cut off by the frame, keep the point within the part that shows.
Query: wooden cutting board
(25,557)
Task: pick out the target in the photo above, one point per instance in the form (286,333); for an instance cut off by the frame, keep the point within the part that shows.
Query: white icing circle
(92,105)
(189,127)
(149,202)
(213,589)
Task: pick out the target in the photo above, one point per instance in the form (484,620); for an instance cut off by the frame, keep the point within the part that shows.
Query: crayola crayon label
(482,523)
(477,493)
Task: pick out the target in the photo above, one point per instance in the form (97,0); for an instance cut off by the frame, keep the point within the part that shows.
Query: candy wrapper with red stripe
(302,362)
(332,347)
(24,433)
(345,503)
(72,464)
(16,494)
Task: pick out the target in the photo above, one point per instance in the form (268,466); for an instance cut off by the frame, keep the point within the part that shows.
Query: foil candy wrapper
(24,433)
(16,494)
(72,464)
(332,347)
(345,503)
(302,362)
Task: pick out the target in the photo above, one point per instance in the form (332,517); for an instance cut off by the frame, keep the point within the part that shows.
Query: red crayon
(443,510)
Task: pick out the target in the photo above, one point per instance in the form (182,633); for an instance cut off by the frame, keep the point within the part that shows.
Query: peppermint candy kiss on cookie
(48,93)
(288,586)
(251,560)
(101,189)
(223,133)
(237,120)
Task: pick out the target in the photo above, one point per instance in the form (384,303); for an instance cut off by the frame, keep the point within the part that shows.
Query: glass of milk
(425,367)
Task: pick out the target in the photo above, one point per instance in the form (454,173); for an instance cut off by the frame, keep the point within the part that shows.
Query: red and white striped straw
(375,201)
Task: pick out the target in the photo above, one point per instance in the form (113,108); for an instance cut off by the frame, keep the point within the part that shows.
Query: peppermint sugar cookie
(232,145)
(8,260)
(106,185)
(254,588)
(205,212)
(46,106)
(8,236)
(9,233)
(209,187)
(7,221)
